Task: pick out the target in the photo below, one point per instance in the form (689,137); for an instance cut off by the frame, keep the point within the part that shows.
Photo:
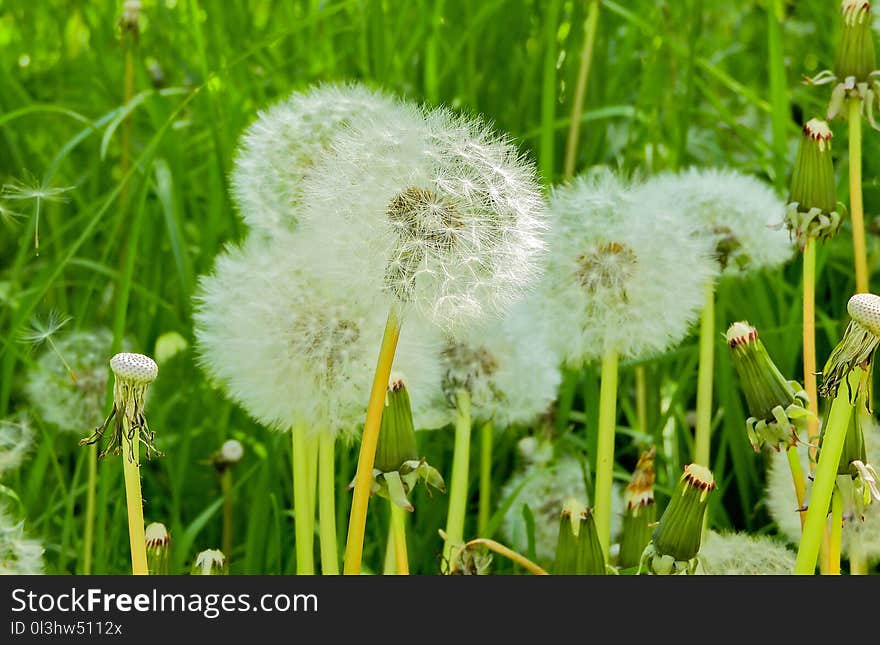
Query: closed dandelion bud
(812,208)
(640,512)
(210,562)
(857,345)
(676,541)
(578,550)
(158,548)
(855,54)
(397,468)
(777,406)
(133,373)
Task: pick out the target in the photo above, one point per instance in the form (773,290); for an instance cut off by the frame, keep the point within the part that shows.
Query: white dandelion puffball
(507,368)
(59,401)
(19,554)
(622,275)
(544,487)
(782,502)
(740,554)
(290,348)
(285,141)
(739,212)
(435,212)
(16,441)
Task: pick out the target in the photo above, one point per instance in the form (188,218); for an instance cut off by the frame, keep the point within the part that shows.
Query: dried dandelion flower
(278,149)
(740,554)
(640,512)
(210,562)
(291,348)
(578,550)
(623,275)
(434,212)
(858,344)
(740,213)
(158,542)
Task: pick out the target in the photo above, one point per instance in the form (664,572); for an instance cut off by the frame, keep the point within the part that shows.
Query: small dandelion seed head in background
(739,212)
(285,141)
(781,501)
(622,274)
(547,486)
(71,406)
(740,554)
(16,442)
(19,553)
(435,212)
(507,368)
(291,348)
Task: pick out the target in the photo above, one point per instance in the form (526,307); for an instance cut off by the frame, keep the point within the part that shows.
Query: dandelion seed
(40,192)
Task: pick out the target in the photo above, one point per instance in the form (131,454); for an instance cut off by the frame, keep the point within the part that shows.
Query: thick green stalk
(398,529)
(580,91)
(797,477)
(836,533)
(486,436)
(809,327)
(778,92)
(303,528)
(546,150)
(134,500)
(856,209)
(91,489)
(858,564)
(327,505)
(459,487)
(605,449)
(826,475)
(703,431)
(357,522)
(642,398)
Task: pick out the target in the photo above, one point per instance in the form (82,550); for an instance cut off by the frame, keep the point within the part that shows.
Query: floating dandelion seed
(38,191)
(9,216)
(16,441)
(436,212)
(286,140)
(42,332)
(740,554)
(19,554)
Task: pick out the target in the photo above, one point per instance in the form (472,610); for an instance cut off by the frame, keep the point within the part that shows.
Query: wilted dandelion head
(740,213)
(435,211)
(19,554)
(508,369)
(621,275)
(291,348)
(16,441)
(68,404)
(740,554)
(210,562)
(544,488)
(285,141)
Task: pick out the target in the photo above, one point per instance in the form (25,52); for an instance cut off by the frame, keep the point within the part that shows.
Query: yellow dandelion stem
(133,498)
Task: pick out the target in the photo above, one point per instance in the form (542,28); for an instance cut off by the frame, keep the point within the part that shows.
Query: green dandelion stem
(303,528)
(704,379)
(809,336)
(855,195)
(836,533)
(327,505)
(858,564)
(605,448)
(226,489)
(826,474)
(133,498)
(583,79)
(398,531)
(486,437)
(797,477)
(89,530)
(459,486)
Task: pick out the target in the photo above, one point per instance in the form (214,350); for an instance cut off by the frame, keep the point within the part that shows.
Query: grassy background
(674,83)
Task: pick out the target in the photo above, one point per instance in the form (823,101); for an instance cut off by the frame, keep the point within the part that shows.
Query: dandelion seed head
(16,442)
(622,274)
(291,348)
(231,451)
(71,406)
(435,212)
(285,141)
(739,212)
(136,368)
(19,553)
(740,554)
(864,308)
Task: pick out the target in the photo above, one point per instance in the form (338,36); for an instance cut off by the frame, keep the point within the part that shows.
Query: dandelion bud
(133,373)
(210,562)
(855,54)
(857,345)
(158,548)
(578,550)
(397,468)
(777,407)
(676,541)
(812,207)
(128,22)
(230,453)
(640,512)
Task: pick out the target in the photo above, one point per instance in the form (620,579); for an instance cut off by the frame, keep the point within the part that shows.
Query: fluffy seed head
(231,451)
(71,406)
(740,554)
(434,211)
(622,275)
(285,141)
(741,214)
(135,368)
(291,348)
(19,554)
(864,308)
(16,441)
